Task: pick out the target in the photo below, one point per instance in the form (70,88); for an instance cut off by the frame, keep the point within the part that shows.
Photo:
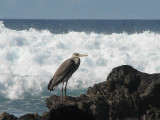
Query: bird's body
(65,71)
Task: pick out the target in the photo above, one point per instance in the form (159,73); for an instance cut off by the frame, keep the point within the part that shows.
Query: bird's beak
(82,55)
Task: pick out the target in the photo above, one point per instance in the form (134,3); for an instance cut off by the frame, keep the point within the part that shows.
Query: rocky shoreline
(127,94)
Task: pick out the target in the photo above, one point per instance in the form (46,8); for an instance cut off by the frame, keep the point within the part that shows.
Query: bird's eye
(76,54)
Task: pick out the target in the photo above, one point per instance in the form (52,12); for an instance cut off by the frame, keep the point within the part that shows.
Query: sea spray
(29,58)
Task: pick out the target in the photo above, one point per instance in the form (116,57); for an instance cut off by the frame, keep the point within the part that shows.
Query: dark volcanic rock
(6,116)
(30,117)
(127,94)
(67,113)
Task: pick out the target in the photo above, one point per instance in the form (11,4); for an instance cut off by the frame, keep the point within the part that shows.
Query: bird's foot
(66,99)
(61,100)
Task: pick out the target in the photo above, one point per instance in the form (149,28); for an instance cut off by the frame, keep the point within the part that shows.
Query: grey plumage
(65,71)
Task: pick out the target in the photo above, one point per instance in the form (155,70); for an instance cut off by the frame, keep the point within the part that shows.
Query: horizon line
(68,19)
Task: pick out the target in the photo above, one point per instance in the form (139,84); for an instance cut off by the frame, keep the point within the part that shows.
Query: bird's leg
(65,89)
(62,92)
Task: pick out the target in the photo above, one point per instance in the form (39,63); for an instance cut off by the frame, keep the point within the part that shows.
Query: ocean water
(32,50)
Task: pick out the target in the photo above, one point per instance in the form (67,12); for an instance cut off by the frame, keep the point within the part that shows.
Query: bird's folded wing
(63,70)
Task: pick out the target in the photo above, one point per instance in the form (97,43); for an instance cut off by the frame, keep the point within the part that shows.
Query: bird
(64,72)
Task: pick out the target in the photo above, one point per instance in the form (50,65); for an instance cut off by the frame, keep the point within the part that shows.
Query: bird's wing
(63,70)
(61,73)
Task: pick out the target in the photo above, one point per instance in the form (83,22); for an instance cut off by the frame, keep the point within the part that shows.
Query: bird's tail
(50,87)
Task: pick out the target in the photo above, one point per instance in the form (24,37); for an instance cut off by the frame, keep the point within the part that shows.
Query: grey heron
(64,72)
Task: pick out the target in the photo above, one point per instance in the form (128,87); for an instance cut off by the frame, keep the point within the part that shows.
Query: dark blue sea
(32,50)
(88,26)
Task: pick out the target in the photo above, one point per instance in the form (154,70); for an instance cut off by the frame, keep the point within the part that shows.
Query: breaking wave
(29,58)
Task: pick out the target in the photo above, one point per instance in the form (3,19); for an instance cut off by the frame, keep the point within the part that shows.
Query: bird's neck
(76,59)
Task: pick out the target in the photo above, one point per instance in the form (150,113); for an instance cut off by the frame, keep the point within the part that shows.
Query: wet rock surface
(127,94)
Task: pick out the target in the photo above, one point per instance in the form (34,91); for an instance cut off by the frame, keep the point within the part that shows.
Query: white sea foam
(29,58)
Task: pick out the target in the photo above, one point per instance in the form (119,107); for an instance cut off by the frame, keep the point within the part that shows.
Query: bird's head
(77,55)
